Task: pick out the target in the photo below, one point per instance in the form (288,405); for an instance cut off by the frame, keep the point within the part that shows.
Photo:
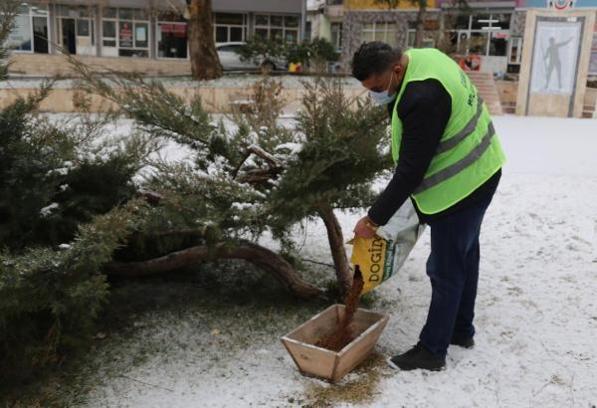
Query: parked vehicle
(230,59)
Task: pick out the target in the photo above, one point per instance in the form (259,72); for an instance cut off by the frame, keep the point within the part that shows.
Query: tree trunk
(205,63)
(442,41)
(257,255)
(336,240)
(420,23)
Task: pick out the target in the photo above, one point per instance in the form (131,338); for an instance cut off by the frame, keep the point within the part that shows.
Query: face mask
(384,97)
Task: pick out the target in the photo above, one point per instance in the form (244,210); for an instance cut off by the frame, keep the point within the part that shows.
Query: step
(487,90)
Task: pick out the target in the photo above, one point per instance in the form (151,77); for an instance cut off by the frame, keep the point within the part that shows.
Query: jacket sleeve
(424,110)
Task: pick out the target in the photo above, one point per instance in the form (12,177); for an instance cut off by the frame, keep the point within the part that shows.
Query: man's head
(378,66)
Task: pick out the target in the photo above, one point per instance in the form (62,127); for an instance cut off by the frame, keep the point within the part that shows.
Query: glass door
(68,36)
(76,29)
(40,34)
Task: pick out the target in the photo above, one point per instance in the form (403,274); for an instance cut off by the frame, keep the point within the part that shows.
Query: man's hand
(365,228)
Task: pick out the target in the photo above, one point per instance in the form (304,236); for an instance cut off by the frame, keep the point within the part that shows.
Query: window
(30,32)
(484,34)
(141,35)
(308,29)
(337,36)
(21,36)
(125,32)
(479,21)
(40,34)
(172,36)
(109,33)
(126,14)
(230,27)
(498,44)
(515,52)
(110,12)
(462,42)
(172,39)
(277,27)
(503,21)
(478,43)
(83,28)
(462,22)
(410,37)
(385,32)
(76,29)
(428,40)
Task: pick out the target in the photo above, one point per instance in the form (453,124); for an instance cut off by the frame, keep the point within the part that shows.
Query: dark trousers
(453,268)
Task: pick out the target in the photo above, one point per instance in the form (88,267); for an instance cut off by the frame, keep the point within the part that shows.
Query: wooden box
(319,362)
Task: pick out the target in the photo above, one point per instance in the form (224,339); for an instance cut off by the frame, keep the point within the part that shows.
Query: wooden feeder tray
(315,361)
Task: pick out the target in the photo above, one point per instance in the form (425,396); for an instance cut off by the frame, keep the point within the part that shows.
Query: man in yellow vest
(448,161)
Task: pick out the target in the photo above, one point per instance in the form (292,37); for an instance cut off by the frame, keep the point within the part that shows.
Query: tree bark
(420,23)
(205,63)
(336,240)
(253,253)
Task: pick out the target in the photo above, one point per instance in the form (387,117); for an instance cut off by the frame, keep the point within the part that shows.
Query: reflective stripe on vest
(469,151)
(460,165)
(467,130)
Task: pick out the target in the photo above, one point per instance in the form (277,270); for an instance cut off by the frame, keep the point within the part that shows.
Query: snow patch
(49,209)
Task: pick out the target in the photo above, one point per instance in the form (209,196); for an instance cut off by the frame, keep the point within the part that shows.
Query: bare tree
(422,5)
(205,63)
(8,11)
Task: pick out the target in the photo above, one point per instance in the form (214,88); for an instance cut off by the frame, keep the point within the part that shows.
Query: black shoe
(417,357)
(466,342)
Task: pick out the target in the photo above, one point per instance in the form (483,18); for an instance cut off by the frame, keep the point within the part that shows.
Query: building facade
(490,30)
(145,29)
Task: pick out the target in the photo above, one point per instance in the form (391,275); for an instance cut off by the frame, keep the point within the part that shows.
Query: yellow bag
(380,257)
(375,259)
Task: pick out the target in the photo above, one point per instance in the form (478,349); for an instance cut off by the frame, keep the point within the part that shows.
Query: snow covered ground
(536,310)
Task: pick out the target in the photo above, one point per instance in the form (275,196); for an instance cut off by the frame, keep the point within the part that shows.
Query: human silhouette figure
(551,56)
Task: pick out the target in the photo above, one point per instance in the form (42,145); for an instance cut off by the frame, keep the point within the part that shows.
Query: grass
(229,306)
(194,313)
(359,387)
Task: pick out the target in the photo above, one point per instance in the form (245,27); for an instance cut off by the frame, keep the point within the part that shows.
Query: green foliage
(345,147)
(320,49)
(258,49)
(260,122)
(259,174)
(49,299)
(207,196)
(298,52)
(51,186)
(32,156)
(316,52)
(90,188)
(47,187)
(67,202)
(245,175)
(65,207)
